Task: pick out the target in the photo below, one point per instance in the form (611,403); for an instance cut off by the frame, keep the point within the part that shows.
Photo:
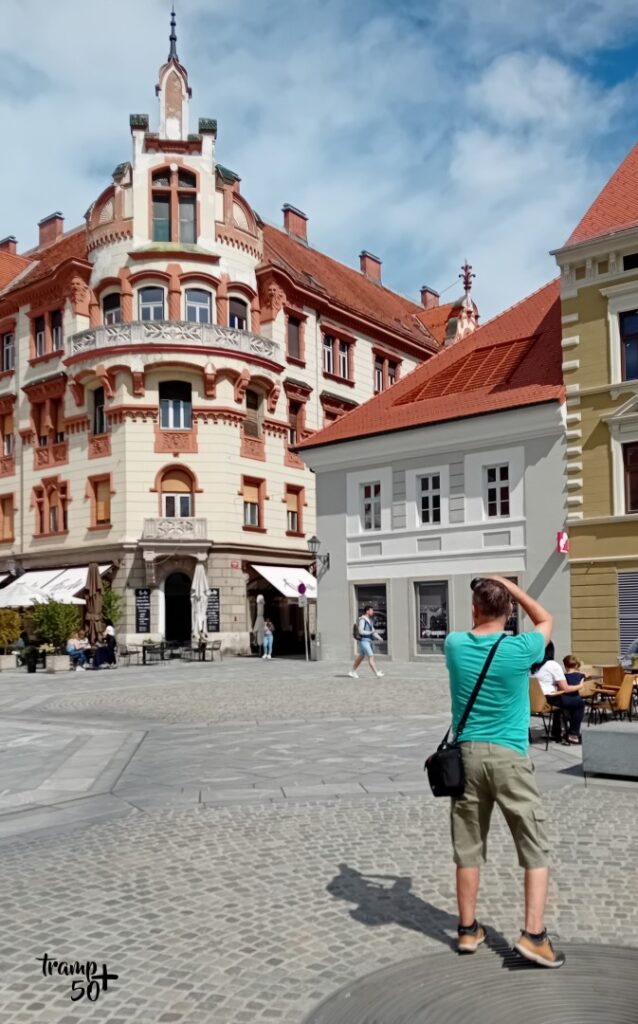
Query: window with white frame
(497,491)
(344,360)
(176,406)
(628,325)
(430,499)
(238,314)
(56,330)
(39,328)
(111,308)
(328,353)
(151,303)
(630,460)
(371,505)
(8,351)
(198,306)
(378,375)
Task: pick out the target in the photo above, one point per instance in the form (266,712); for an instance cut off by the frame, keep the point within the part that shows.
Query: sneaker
(539,951)
(379,675)
(264,656)
(470,939)
(353,675)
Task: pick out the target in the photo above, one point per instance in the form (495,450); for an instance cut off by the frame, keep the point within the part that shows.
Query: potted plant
(54,623)
(10,627)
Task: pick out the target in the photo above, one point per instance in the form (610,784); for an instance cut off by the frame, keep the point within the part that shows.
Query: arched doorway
(177,601)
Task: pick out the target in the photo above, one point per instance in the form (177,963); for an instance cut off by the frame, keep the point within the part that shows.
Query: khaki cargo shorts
(498,775)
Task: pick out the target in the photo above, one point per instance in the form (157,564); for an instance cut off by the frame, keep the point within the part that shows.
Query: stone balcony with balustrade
(176,333)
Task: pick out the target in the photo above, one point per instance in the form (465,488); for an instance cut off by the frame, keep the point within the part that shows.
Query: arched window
(177,494)
(238,314)
(198,306)
(151,303)
(111,308)
(174,206)
(176,406)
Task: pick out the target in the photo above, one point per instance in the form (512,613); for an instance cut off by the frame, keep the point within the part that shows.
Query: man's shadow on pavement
(388,899)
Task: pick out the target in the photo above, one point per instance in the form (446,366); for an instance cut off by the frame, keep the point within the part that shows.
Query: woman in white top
(561,695)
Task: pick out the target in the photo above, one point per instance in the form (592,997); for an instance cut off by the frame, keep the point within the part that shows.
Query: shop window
(8,352)
(294,509)
(198,306)
(432,615)
(628,323)
(293,337)
(176,407)
(6,518)
(375,595)
(630,459)
(98,420)
(111,308)
(252,423)
(253,492)
(497,491)
(238,314)
(177,494)
(430,499)
(371,506)
(151,303)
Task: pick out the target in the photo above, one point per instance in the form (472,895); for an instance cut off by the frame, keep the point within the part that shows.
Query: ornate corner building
(159,362)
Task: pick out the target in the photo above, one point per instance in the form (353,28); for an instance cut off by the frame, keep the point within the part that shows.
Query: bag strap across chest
(477,687)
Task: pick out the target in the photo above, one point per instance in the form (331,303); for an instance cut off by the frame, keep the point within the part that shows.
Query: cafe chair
(617,704)
(539,708)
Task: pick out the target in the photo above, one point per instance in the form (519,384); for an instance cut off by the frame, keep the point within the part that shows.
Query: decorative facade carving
(99,446)
(273,396)
(45,456)
(253,448)
(175,442)
(162,332)
(241,384)
(52,388)
(210,381)
(7,465)
(80,295)
(139,385)
(174,529)
(76,388)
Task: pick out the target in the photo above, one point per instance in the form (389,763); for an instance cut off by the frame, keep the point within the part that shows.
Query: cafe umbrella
(93,603)
(199,600)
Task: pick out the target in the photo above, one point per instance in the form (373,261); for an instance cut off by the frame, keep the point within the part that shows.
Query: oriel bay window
(630,458)
(112,309)
(176,406)
(628,323)
(151,303)
(238,314)
(198,306)
(177,494)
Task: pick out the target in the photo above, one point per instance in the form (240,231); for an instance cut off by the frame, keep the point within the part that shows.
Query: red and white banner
(562,542)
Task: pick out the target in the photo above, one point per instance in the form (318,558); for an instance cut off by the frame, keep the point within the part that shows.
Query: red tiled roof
(346,287)
(615,208)
(436,319)
(71,245)
(513,360)
(10,266)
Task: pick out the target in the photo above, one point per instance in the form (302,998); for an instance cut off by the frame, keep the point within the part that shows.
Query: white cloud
(425,137)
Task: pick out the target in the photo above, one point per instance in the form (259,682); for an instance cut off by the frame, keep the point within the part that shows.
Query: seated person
(561,695)
(74,649)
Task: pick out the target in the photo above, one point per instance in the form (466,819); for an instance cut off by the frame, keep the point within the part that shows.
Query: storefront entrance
(177,601)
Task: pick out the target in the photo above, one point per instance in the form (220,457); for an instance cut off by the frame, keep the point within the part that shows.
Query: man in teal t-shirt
(498,769)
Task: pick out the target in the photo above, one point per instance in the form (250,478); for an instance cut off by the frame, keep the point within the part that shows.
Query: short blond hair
(571,661)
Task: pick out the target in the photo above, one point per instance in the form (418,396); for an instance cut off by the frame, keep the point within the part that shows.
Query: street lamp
(313,547)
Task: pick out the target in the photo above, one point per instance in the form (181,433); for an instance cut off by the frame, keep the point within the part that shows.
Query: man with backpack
(364,633)
(498,770)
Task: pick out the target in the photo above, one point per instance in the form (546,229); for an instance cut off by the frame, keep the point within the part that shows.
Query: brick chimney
(429,298)
(295,222)
(9,244)
(370,265)
(51,227)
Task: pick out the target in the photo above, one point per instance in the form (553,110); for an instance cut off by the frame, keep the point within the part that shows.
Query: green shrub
(54,623)
(10,627)
(111,604)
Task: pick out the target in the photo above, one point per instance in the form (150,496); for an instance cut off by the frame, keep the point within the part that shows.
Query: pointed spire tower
(174,92)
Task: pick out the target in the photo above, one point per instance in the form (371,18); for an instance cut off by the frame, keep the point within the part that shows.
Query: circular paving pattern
(597,985)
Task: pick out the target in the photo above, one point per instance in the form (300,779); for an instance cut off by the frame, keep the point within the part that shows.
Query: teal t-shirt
(501,712)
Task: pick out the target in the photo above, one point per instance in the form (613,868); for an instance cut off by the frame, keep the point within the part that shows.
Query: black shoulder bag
(446,773)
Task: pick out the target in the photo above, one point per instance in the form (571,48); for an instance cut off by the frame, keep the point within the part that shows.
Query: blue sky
(426,132)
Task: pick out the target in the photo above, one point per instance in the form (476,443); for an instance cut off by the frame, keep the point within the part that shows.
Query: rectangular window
(294,408)
(328,353)
(294,499)
(187,219)
(198,306)
(293,337)
(39,328)
(151,303)
(111,309)
(176,408)
(238,314)
(101,495)
(630,459)
(432,615)
(177,506)
(161,218)
(56,330)
(50,502)
(8,352)
(628,323)
(497,491)
(252,503)
(378,375)
(375,595)
(99,413)
(344,360)
(371,506)
(431,499)
(6,518)
(627,610)
(252,423)
(393,373)
(8,433)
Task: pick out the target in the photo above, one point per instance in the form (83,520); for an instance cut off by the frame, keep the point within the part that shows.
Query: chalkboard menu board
(143,610)
(212,611)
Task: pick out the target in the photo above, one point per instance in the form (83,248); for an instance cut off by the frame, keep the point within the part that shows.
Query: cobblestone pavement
(212,868)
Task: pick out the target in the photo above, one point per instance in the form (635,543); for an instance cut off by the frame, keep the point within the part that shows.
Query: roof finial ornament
(466,276)
(172,53)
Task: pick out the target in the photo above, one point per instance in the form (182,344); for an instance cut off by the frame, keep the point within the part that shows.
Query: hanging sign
(562,542)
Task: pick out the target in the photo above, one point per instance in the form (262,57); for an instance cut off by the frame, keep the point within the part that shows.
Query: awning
(70,581)
(286,579)
(4,576)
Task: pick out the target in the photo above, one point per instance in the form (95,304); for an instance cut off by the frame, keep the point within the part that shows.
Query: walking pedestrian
(367,634)
(269,633)
(109,636)
(498,770)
